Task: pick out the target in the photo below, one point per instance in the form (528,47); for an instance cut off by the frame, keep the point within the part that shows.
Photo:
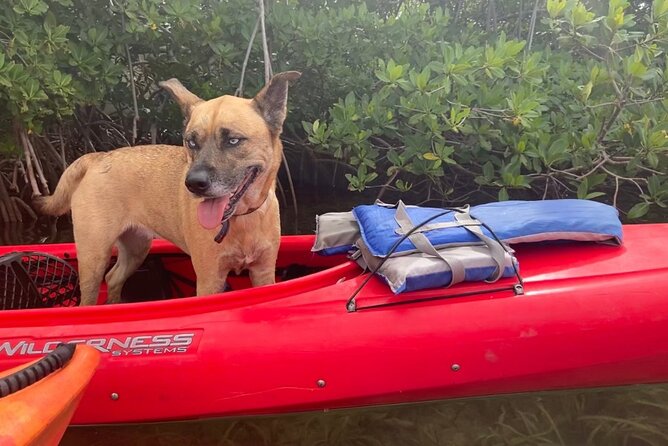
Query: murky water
(631,416)
(608,417)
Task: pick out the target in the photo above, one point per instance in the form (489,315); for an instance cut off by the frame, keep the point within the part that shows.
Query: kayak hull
(590,316)
(39,414)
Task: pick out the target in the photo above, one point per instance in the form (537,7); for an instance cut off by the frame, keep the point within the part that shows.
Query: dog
(219,185)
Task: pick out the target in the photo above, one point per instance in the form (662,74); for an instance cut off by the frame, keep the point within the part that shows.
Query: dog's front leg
(263,272)
(208,284)
(262,276)
(211,275)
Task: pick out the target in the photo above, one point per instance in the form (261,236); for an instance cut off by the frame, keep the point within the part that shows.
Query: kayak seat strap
(423,244)
(463,219)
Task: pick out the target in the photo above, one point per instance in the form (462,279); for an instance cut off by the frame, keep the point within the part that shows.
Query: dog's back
(60,202)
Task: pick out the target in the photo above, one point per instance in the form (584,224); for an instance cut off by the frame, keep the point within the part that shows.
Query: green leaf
(583,188)
(658,139)
(638,210)
(49,21)
(595,72)
(588,139)
(659,7)
(513,48)
(596,179)
(394,72)
(488,171)
(557,151)
(580,15)
(403,186)
(350,100)
(394,158)
(420,80)
(381,75)
(33,92)
(503,194)
(636,68)
(31,7)
(308,127)
(653,185)
(496,72)
(585,91)
(522,145)
(616,18)
(554,7)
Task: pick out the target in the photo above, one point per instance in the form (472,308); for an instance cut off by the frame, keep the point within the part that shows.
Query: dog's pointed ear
(271,101)
(181,95)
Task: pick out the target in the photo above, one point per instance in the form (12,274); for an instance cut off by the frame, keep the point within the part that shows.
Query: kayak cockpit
(166,274)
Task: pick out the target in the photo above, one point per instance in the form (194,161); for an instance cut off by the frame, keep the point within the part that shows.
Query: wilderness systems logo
(135,344)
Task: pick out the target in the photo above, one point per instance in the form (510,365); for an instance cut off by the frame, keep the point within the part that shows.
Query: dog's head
(234,146)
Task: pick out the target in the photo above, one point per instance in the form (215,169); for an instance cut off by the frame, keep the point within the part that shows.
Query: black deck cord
(41,369)
(350,304)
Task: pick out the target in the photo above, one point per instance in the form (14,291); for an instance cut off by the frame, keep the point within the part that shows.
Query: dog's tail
(59,202)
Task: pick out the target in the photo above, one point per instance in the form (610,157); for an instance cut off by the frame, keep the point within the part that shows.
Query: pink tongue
(210,211)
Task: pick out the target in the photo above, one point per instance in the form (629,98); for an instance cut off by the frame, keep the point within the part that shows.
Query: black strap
(224,229)
(225,221)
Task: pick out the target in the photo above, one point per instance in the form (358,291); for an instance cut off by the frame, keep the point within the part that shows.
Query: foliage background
(438,101)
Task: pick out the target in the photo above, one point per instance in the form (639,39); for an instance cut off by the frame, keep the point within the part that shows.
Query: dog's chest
(238,257)
(244,263)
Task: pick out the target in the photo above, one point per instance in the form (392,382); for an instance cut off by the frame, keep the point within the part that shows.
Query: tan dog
(226,172)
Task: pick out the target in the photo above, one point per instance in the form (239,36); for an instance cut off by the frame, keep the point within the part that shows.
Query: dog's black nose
(198,181)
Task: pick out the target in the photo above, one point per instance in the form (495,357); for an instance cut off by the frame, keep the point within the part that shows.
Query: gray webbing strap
(496,250)
(463,219)
(423,244)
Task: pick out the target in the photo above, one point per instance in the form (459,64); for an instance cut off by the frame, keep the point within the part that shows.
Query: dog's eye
(192,144)
(233,141)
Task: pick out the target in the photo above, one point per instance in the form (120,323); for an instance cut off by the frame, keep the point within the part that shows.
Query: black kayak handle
(39,370)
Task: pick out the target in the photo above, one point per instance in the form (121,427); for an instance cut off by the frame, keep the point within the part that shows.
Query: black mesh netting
(37,280)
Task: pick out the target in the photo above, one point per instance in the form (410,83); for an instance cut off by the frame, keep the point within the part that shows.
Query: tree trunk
(458,10)
(532,26)
(8,210)
(32,180)
(491,16)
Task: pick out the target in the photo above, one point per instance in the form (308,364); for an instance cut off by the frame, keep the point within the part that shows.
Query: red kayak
(585,315)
